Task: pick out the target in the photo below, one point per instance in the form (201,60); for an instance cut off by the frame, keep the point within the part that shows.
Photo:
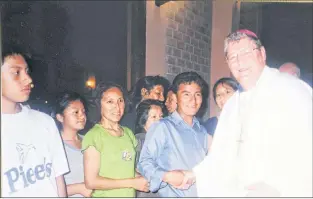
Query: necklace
(117,133)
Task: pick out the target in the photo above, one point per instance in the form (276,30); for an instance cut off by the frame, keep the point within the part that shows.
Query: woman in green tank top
(109,149)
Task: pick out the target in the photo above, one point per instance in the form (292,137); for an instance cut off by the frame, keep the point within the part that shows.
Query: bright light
(46,102)
(91,82)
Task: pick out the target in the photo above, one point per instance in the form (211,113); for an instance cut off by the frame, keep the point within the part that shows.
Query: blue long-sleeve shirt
(172,144)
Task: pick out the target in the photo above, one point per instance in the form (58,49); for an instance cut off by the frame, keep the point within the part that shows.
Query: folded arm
(151,151)
(94,181)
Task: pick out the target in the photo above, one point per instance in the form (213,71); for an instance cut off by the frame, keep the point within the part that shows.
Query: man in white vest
(263,142)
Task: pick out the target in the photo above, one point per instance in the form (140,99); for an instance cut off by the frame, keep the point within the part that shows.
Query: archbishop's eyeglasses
(243,54)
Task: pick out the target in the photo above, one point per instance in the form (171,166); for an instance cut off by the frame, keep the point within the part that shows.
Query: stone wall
(188,37)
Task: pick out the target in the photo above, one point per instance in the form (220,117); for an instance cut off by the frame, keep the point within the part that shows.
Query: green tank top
(117,158)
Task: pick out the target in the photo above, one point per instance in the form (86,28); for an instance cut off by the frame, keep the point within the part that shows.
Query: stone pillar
(221,27)
(156,23)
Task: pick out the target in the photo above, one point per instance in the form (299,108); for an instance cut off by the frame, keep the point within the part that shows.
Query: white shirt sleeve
(58,156)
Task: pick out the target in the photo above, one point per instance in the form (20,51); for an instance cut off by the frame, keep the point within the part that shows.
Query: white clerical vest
(263,142)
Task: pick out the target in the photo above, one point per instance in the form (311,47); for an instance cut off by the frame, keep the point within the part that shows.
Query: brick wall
(188,37)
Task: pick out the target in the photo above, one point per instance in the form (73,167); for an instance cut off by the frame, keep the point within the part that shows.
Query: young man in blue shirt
(177,142)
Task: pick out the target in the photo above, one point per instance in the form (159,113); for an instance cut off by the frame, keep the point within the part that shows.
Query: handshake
(179,179)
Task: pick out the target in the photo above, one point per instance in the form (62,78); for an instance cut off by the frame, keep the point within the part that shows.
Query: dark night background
(70,40)
(287,34)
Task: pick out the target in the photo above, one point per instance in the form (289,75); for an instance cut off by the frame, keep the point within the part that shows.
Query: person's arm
(61,186)
(210,139)
(151,151)
(179,179)
(58,157)
(94,181)
(78,188)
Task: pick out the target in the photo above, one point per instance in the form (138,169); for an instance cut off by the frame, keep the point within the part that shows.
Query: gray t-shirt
(76,164)
(141,139)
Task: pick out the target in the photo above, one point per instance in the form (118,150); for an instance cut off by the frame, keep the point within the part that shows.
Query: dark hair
(142,113)
(63,101)
(102,87)
(148,82)
(188,78)
(169,89)
(225,80)
(13,52)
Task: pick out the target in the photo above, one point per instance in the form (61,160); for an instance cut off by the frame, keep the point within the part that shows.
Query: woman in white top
(71,118)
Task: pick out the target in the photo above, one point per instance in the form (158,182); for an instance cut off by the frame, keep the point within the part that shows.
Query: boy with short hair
(33,160)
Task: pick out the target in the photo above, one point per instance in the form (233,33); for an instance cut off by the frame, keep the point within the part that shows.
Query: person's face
(156,93)
(189,99)
(112,105)
(155,114)
(170,102)
(246,62)
(15,80)
(223,93)
(74,116)
(289,70)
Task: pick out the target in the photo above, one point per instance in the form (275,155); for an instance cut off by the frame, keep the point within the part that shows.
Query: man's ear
(59,117)
(263,52)
(144,92)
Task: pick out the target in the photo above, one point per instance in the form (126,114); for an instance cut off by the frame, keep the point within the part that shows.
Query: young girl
(223,89)
(148,87)
(71,118)
(148,112)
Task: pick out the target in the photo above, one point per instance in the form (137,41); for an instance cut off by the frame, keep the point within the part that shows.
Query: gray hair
(237,36)
(292,66)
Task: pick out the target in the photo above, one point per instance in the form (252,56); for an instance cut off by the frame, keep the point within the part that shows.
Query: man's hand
(174,178)
(179,179)
(189,179)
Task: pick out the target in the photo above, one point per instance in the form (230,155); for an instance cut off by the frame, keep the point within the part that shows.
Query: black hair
(142,113)
(170,89)
(63,100)
(193,77)
(188,78)
(225,80)
(102,87)
(148,82)
(14,52)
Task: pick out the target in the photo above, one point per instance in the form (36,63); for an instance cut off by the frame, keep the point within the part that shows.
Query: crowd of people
(152,142)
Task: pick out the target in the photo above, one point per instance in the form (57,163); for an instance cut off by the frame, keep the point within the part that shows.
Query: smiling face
(155,114)
(246,61)
(112,105)
(73,117)
(15,80)
(189,99)
(223,93)
(156,93)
